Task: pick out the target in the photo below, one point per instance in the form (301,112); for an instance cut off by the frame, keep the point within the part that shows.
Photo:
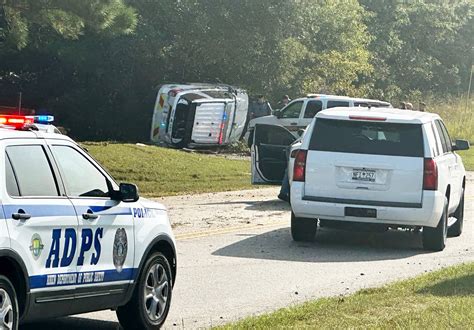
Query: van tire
(456,229)
(8,301)
(303,229)
(434,239)
(135,314)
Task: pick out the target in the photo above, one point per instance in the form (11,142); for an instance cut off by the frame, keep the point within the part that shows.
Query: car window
(363,137)
(449,144)
(333,104)
(274,135)
(293,110)
(81,178)
(33,171)
(442,137)
(312,108)
(11,183)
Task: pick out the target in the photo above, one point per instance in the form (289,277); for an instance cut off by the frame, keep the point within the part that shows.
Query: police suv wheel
(8,305)
(151,299)
(435,238)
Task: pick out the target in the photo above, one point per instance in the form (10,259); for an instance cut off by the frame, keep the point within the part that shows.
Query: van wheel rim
(156,292)
(6,311)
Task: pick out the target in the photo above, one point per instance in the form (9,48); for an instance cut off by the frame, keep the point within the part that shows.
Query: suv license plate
(363,175)
(360,212)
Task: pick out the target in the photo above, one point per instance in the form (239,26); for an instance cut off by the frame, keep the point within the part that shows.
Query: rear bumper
(427,213)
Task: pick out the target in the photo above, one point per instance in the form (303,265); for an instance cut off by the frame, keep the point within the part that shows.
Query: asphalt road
(251,267)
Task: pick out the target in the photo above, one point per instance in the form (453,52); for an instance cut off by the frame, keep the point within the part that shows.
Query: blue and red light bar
(17,121)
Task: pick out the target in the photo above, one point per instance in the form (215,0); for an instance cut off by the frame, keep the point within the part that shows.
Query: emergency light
(44,119)
(16,121)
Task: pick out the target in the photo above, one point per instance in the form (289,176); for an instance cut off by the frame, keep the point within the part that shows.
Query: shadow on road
(271,205)
(72,323)
(330,246)
(462,286)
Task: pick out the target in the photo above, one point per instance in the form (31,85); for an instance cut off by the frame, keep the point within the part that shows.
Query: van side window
(292,110)
(333,104)
(312,108)
(33,171)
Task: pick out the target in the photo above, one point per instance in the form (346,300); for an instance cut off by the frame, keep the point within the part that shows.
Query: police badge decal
(120,248)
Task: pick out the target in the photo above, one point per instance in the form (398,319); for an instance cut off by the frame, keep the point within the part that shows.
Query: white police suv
(74,241)
(394,168)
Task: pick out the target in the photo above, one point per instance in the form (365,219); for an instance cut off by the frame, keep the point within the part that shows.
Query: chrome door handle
(21,215)
(89,215)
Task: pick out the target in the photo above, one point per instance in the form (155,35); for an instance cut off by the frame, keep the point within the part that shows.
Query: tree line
(97,64)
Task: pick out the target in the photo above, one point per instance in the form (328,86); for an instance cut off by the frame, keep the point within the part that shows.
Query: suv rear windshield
(362,137)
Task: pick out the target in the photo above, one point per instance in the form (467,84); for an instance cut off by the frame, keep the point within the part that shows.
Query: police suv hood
(147,203)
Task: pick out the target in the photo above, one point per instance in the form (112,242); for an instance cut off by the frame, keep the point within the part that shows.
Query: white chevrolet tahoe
(392,167)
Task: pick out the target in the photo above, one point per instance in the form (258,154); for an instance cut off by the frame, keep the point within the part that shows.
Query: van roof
(378,114)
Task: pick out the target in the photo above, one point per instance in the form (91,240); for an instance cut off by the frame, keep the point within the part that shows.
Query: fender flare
(150,246)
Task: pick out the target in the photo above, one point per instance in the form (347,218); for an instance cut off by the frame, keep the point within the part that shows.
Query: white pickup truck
(392,167)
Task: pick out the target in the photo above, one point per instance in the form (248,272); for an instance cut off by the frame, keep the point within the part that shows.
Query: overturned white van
(198,115)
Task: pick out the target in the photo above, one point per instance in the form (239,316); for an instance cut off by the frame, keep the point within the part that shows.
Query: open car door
(269,153)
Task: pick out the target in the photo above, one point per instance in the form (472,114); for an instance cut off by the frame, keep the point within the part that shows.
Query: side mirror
(300,132)
(278,114)
(128,192)
(461,145)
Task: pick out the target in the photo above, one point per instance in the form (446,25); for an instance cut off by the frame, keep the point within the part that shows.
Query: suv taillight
(299,169)
(430,175)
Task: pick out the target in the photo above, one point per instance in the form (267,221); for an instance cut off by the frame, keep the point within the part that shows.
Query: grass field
(458,116)
(438,300)
(163,172)
(468,158)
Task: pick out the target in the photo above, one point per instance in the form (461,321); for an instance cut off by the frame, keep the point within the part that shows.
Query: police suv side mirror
(461,145)
(128,192)
(278,114)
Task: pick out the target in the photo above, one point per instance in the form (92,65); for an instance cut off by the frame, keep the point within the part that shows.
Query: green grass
(163,172)
(458,116)
(438,300)
(468,158)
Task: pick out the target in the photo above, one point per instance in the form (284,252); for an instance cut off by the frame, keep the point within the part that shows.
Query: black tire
(456,229)
(8,304)
(435,238)
(303,229)
(135,314)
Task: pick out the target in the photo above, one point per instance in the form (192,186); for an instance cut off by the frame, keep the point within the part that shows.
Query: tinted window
(33,171)
(12,185)
(333,104)
(312,108)
(80,177)
(442,137)
(449,144)
(367,138)
(292,110)
(275,135)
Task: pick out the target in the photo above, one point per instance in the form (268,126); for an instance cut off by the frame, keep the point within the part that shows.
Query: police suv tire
(303,229)
(435,238)
(134,315)
(456,229)
(8,305)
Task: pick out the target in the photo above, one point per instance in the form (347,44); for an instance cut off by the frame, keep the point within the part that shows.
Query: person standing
(284,101)
(422,107)
(260,108)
